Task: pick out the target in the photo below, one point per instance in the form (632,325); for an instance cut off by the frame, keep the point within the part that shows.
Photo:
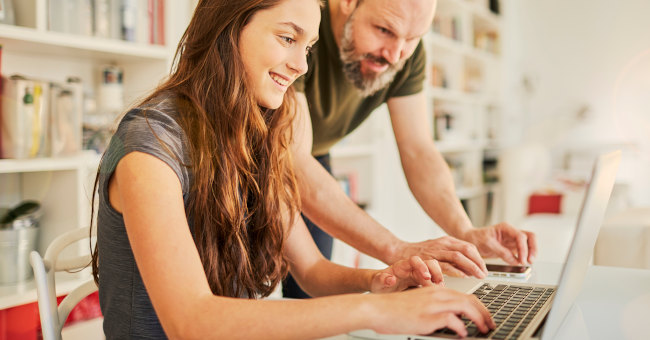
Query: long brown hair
(244,194)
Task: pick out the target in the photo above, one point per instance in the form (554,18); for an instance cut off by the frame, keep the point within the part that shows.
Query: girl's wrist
(369,310)
(370,275)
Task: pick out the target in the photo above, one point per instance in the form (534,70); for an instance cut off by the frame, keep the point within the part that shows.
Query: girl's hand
(407,273)
(427,309)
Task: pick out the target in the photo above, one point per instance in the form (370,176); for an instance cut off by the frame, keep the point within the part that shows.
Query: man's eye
(383,30)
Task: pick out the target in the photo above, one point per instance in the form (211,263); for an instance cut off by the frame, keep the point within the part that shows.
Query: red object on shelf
(550,203)
(23,323)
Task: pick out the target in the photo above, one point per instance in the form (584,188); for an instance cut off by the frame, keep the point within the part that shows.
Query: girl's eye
(288,40)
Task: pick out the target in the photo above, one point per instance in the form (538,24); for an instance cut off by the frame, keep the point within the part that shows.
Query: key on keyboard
(512,308)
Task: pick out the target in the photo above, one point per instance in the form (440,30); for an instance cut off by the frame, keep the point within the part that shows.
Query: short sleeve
(153,132)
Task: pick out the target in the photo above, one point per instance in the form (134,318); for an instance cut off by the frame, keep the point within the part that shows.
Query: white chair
(53,317)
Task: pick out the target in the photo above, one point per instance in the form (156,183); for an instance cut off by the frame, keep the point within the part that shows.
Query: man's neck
(337,20)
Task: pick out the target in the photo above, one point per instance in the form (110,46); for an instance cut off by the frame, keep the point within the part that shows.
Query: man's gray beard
(367,86)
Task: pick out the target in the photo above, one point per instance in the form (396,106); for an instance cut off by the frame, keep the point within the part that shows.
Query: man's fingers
(469,250)
(532,246)
(450,270)
(522,247)
(462,262)
(503,253)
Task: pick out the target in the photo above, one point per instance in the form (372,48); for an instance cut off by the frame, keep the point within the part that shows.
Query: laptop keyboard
(512,308)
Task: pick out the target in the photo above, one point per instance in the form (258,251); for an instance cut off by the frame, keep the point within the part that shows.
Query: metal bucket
(17,239)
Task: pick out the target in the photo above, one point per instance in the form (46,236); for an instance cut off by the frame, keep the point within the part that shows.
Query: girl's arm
(148,193)
(319,277)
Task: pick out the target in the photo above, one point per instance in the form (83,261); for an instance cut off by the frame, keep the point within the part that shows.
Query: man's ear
(348,6)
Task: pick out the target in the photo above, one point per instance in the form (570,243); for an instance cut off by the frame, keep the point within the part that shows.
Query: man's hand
(456,257)
(504,241)
(407,273)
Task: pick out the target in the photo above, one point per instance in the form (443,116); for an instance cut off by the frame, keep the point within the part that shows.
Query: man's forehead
(411,17)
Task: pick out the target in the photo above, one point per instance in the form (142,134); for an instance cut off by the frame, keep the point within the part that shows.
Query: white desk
(614,302)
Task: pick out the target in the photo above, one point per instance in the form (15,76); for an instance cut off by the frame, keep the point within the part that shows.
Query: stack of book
(448,26)
(141,21)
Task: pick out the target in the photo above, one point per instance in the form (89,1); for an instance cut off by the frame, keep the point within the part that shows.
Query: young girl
(198,212)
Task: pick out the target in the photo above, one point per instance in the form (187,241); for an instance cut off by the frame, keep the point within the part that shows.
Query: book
(115,19)
(158,22)
(143,24)
(102,23)
(129,15)
(71,16)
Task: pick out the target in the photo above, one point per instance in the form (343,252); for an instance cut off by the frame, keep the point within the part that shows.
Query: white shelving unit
(464,91)
(64,185)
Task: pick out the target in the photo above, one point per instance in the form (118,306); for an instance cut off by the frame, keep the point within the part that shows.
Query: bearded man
(370,52)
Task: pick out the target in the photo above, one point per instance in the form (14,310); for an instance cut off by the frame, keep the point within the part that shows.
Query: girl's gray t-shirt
(127,309)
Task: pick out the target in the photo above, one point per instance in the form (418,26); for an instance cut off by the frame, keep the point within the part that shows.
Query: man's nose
(393,52)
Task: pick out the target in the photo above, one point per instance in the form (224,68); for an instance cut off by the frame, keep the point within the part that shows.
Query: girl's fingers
(451,321)
(420,271)
(436,272)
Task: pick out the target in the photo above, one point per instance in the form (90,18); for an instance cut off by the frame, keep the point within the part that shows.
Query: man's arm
(330,208)
(426,170)
(431,183)
(327,205)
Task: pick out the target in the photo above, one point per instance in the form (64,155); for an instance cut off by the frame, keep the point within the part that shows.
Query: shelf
(437,40)
(47,43)
(445,94)
(23,293)
(86,158)
(351,151)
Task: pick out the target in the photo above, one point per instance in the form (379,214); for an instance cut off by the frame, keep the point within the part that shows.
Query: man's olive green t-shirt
(335,105)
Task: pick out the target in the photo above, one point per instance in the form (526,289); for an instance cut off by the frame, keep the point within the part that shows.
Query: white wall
(581,55)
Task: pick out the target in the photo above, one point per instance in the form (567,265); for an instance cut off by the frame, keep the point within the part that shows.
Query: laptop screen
(590,219)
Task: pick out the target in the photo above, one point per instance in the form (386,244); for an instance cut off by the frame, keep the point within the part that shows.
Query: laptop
(525,311)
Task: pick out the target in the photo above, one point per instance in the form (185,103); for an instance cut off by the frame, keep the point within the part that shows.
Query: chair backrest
(53,317)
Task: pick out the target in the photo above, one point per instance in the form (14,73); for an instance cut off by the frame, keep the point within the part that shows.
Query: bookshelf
(63,185)
(464,96)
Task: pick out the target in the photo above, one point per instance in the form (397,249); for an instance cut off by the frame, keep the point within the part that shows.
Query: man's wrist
(395,252)
(461,230)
